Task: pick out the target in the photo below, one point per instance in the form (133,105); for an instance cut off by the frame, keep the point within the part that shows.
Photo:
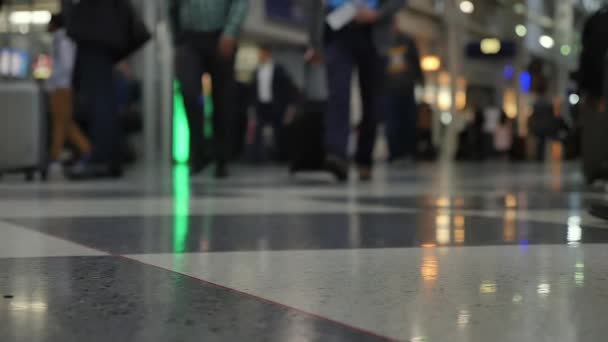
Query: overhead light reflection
(518,299)
(509,230)
(429,268)
(575,232)
(459,229)
(579,275)
(464,318)
(35,307)
(544,290)
(487,287)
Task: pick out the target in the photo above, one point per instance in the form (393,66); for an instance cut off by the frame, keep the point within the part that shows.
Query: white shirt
(265,76)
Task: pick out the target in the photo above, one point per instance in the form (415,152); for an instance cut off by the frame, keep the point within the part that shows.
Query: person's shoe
(85,171)
(365,174)
(55,170)
(337,167)
(221,171)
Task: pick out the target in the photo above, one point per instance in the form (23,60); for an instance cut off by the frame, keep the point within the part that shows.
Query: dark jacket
(284,91)
(381,31)
(407,72)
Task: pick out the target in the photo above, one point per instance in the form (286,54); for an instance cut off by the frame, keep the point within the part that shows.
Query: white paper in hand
(342,16)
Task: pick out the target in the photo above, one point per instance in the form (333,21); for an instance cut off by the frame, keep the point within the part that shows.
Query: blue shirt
(333,4)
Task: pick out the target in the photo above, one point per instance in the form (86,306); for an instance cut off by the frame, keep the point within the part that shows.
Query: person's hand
(313,57)
(226,47)
(366,15)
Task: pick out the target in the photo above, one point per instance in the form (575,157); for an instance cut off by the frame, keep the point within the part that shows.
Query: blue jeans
(343,56)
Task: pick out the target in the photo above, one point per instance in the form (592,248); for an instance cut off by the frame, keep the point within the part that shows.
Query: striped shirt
(212,15)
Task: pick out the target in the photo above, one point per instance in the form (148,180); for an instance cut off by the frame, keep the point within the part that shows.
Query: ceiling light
(521,30)
(546,41)
(467,7)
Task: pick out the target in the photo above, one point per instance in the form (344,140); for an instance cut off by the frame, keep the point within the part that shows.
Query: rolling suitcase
(23,129)
(306,133)
(306,138)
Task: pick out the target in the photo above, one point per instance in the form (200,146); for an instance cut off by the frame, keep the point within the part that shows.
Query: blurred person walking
(503,137)
(425,147)
(105,33)
(64,128)
(360,34)
(206,34)
(275,94)
(403,74)
(542,122)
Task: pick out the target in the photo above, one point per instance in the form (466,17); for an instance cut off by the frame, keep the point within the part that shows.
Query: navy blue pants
(343,55)
(96,102)
(401,121)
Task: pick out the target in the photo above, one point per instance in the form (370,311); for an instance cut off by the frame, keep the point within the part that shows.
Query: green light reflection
(181,207)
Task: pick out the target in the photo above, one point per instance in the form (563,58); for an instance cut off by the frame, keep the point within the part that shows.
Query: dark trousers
(269,114)
(401,122)
(197,54)
(541,147)
(343,54)
(96,102)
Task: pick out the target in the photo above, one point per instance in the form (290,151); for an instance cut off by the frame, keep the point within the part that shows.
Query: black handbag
(138,34)
(99,23)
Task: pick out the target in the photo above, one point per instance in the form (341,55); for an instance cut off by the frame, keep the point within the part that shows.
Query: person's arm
(236,17)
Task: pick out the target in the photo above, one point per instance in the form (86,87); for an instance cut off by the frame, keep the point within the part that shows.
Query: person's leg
(410,123)
(541,145)
(391,125)
(369,66)
(59,123)
(74,133)
(222,75)
(340,63)
(189,70)
(97,89)
(280,143)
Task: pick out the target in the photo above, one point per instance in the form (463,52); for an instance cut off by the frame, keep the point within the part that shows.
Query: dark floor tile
(113,299)
(135,235)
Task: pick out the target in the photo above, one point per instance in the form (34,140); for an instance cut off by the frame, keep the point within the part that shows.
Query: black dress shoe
(221,171)
(337,167)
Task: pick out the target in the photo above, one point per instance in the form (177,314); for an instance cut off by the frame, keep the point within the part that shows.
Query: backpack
(112,25)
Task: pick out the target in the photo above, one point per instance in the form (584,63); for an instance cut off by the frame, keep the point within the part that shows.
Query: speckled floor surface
(489,252)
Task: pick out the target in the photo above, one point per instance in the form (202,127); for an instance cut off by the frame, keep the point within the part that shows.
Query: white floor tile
(514,293)
(17,242)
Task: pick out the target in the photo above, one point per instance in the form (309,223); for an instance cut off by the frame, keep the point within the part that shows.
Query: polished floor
(487,252)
